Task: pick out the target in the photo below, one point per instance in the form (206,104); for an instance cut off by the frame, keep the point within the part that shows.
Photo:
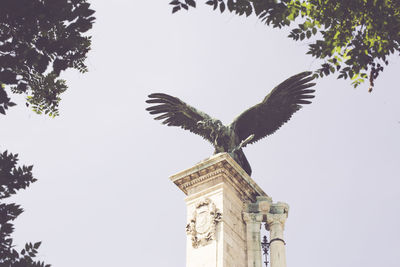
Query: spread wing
(175,112)
(277,108)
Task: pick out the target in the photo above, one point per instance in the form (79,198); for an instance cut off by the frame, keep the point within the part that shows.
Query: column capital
(249,217)
(278,214)
(279,208)
(276,218)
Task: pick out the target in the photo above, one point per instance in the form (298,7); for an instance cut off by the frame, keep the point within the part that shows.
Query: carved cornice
(215,167)
(192,180)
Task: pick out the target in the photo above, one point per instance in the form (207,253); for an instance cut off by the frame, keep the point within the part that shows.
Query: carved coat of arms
(203,225)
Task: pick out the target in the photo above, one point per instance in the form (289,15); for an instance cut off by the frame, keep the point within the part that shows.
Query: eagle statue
(252,125)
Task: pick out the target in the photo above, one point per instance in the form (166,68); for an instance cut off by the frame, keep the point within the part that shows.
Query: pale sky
(104,197)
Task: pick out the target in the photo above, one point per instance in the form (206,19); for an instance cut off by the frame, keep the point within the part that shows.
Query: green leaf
(210,2)
(37,245)
(351,74)
(191,3)
(175,9)
(222,7)
(314,31)
(230,5)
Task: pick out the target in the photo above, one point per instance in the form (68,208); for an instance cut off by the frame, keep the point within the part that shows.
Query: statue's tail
(241,159)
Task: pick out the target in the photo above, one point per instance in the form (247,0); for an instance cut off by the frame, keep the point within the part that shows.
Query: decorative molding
(203,225)
(279,208)
(214,172)
(196,179)
(275,219)
(252,217)
(216,167)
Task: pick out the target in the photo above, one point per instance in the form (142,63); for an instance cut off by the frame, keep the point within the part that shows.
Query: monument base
(225,208)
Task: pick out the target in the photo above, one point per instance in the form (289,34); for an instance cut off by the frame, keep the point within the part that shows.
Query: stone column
(276,219)
(216,190)
(253,225)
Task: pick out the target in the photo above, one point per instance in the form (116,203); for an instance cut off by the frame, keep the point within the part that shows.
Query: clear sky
(104,198)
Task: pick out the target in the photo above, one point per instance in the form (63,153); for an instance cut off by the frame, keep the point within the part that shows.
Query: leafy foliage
(12,179)
(353,38)
(38,40)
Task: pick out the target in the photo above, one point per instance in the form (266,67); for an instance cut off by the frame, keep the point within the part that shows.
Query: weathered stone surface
(276,219)
(222,183)
(211,172)
(225,209)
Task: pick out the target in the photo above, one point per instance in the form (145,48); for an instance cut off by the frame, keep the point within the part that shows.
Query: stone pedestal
(225,210)
(216,191)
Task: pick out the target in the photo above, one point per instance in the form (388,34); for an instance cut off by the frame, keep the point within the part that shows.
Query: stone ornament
(203,225)
(252,217)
